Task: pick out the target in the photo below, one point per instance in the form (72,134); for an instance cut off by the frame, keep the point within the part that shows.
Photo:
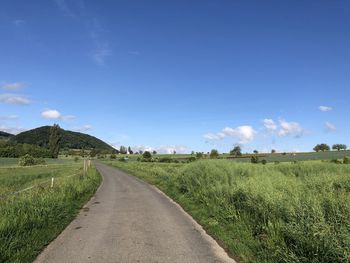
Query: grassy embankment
(31,219)
(273,213)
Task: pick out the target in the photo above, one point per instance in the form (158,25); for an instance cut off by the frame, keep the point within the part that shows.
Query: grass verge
(273,213)
(31,220)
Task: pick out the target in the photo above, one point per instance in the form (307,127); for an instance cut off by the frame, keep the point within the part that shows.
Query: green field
(11,162)
(31,219)
(263,213)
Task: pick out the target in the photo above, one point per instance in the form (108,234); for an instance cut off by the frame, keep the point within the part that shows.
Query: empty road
(129,221)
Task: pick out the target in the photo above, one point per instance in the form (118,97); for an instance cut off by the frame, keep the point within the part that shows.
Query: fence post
(52,179)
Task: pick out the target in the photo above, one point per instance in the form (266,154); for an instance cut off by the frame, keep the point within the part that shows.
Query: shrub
(254,159)
(76,159)
(192,159)
(346,160)
(28,160)
(147,155)
(264,162)
(214,154)
(113,156)
(122,159)
(165,160)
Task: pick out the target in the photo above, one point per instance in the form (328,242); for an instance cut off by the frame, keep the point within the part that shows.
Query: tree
(321,147)
(214,154)
(54,140)
(273,151)
(154,152)
(236,151)
(123,150)
(339,147)
(199,155)
(256,151)
(130,151)
(147,155)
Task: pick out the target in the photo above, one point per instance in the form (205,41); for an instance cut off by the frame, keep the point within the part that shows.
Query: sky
(183,75)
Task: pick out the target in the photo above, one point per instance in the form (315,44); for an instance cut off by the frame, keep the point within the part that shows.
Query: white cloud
(12,86)
(290,128)
(12,130)
(325,108)
(245,134)
(14,99)
(101,50)
(330,127)
(56,115)
(83,128)
(270,125)
(8,117)
(51,114)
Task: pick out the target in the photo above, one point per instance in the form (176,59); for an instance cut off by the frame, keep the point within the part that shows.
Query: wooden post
(52,179)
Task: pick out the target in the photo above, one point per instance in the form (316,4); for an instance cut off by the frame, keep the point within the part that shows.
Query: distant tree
(192,153)
(321,147)
(214,154)
(256,151)
(141,152)
(236,151)
(54,140)
(273,151)
(123,150)
(147,155)
(199,155)
(174,152)
(339,147)
(130,151)
(154,152)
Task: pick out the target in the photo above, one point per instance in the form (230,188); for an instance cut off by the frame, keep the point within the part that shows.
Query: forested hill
(72,140)
(5,135)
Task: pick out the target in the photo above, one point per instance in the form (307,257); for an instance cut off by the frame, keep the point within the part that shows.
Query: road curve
(129,221)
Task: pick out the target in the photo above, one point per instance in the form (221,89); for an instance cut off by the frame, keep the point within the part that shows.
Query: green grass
(272,213)
(31,219)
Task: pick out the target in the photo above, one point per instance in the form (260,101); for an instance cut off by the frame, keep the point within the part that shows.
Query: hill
(72,140)
(5,135)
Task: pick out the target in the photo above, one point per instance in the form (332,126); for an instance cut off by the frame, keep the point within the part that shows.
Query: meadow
(287,212)
(31,219)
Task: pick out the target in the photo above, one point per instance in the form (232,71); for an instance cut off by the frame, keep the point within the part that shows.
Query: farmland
(31,219)
(262,213)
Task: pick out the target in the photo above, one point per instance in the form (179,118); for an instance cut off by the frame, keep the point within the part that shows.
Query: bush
(147,155)
(122,159)
(28,160)
(192,159)
(165,160)
(346,160)
(264,162)
(254,159)
(214,154)
(76,159)
(336,161)
(113,156)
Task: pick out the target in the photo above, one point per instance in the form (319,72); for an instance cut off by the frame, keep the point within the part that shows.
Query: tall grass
(29,221)
(273,213)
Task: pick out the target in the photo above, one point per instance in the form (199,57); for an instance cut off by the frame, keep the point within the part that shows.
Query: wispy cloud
(244,134)
(325,108)
(14,99)
(83,128)
(163,149)
(270,125)
(8,117)
(19,22)
(12,130)
(330,127)
(102,49)
(63,6)
(56,115)
(290,128)
(14,86)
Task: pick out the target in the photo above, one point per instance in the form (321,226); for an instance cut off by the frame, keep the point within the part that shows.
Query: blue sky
(183,75)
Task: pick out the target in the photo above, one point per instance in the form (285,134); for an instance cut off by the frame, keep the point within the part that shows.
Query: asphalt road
(130,221)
